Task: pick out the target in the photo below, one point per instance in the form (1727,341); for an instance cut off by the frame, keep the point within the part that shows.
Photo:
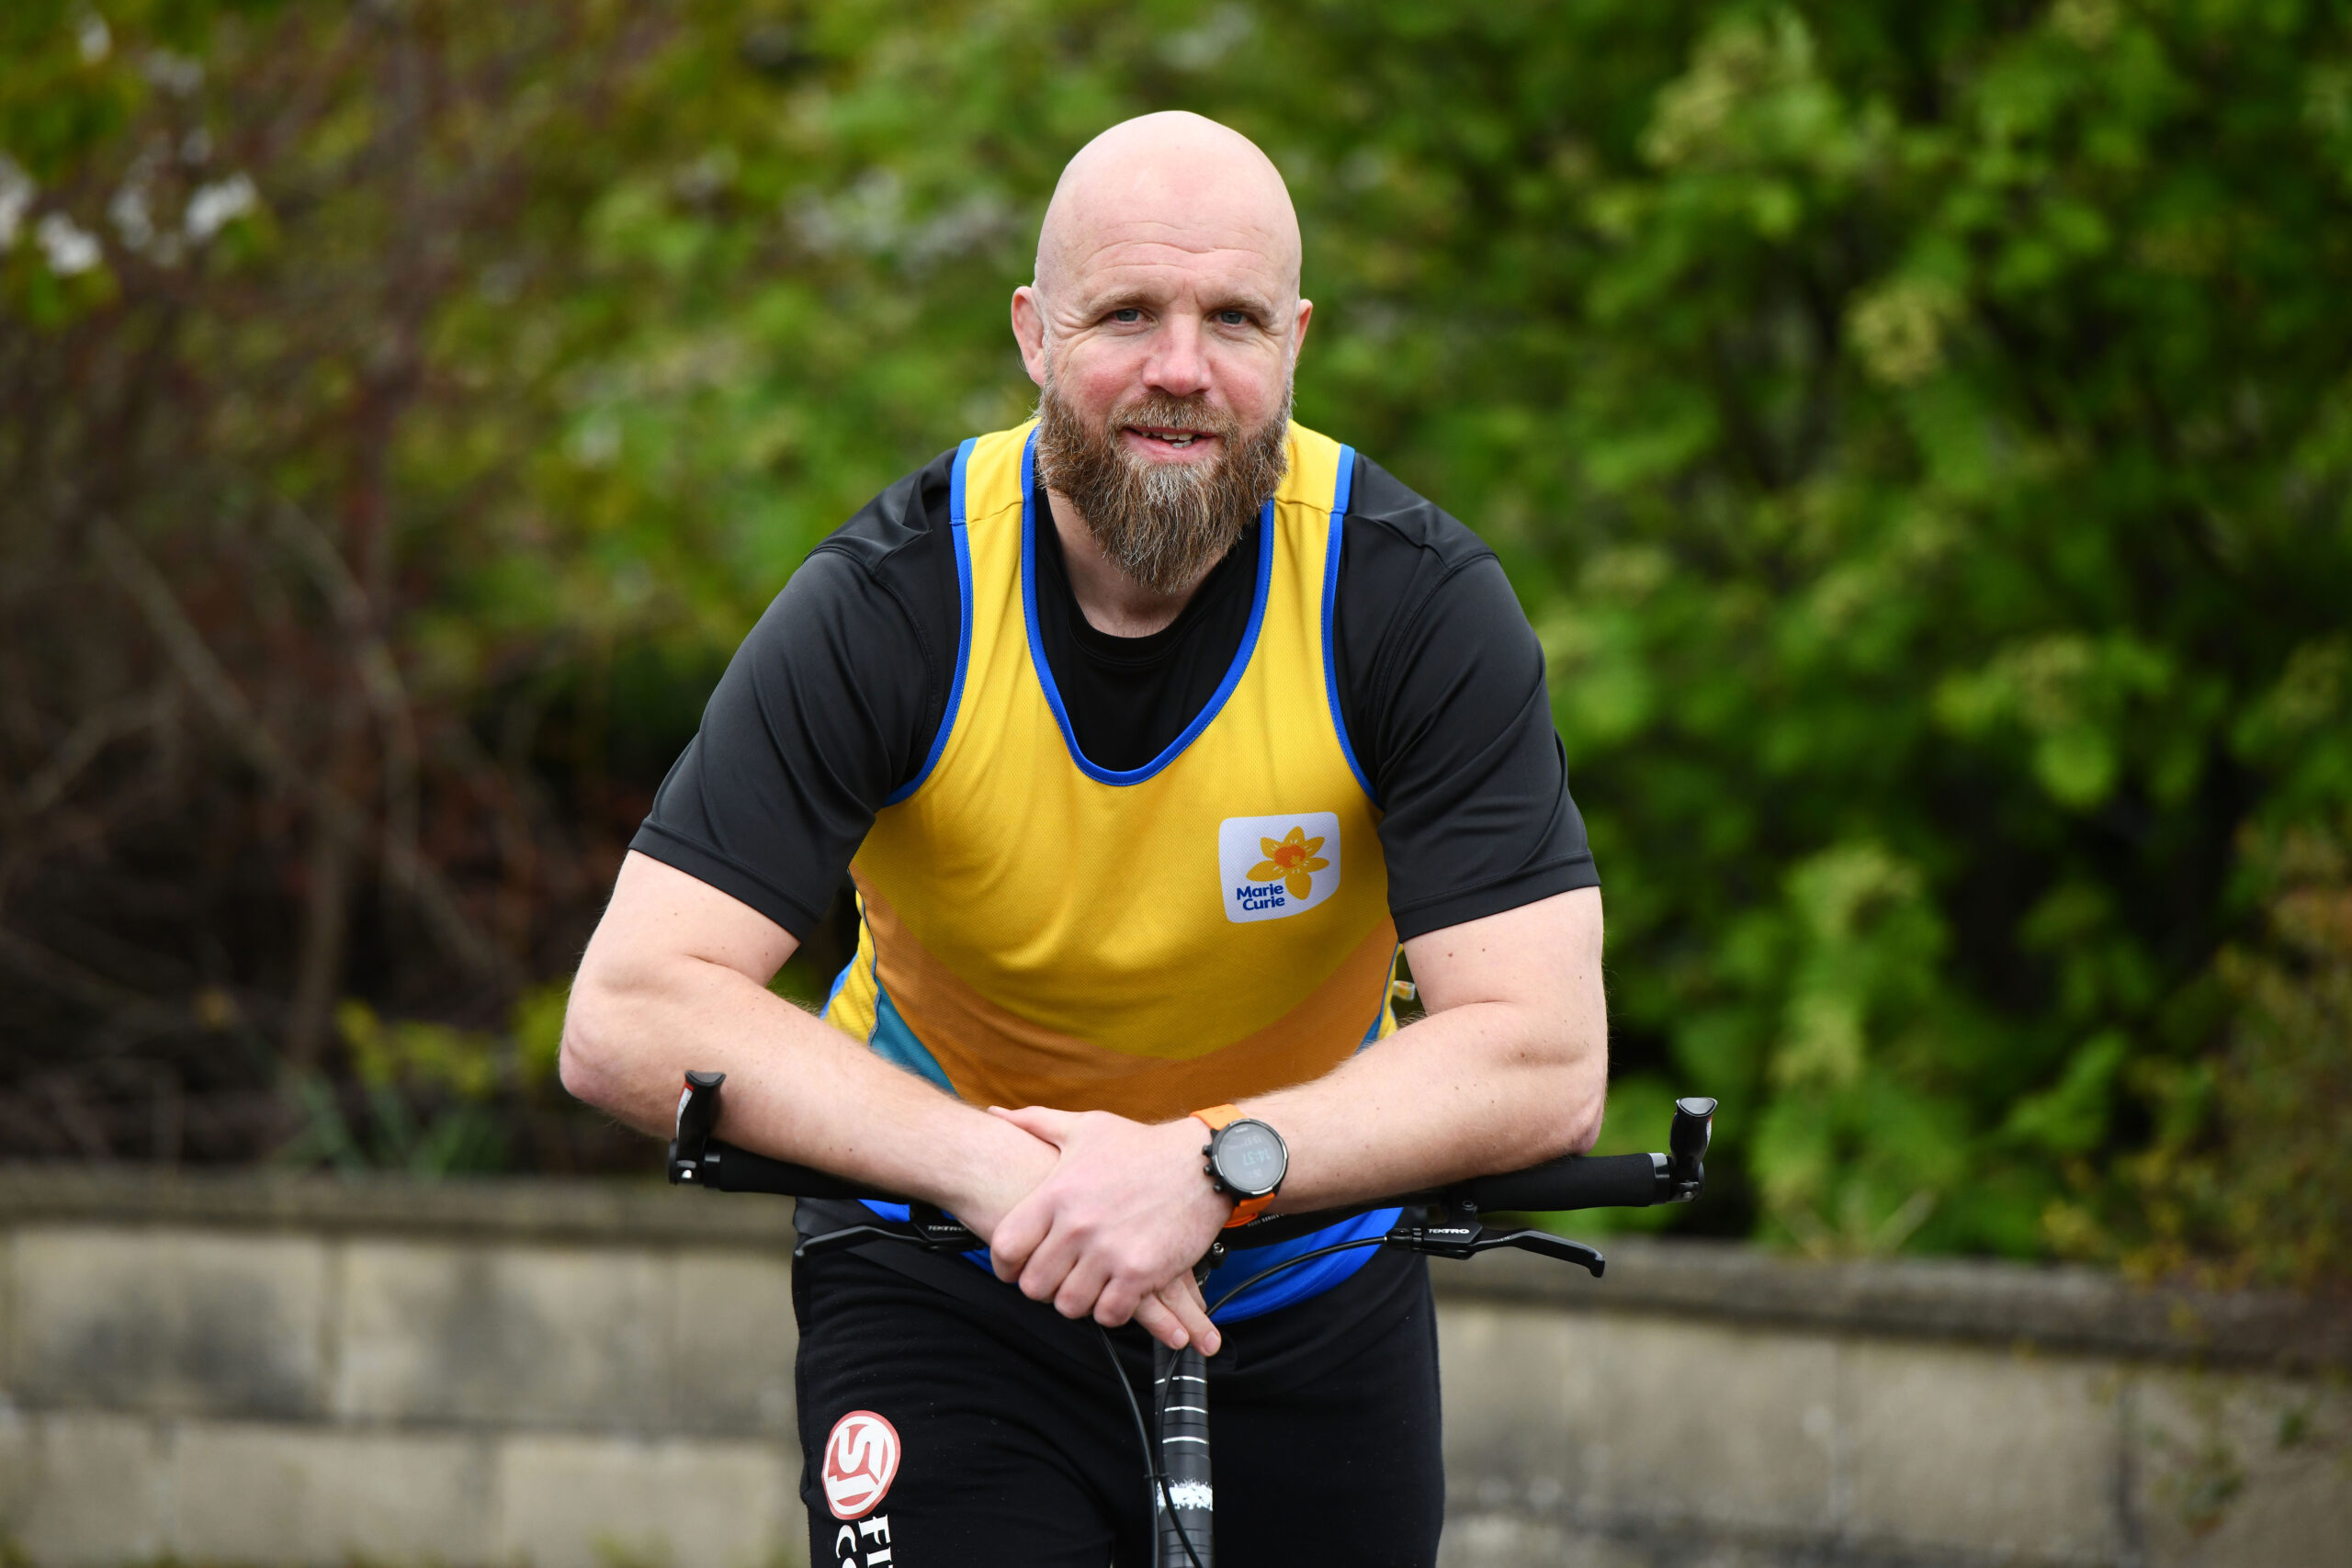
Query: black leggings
(1001,1438)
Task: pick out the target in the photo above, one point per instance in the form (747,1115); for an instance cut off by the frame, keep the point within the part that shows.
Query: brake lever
(925,1227)
(1453,1231)
(855,1236)
(1586,1257)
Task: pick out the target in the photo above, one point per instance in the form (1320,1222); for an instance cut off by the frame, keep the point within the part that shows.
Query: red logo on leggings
(861,1457)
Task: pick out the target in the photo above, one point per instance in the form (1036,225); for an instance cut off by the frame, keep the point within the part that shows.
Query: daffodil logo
(1273,868)
(1290,860)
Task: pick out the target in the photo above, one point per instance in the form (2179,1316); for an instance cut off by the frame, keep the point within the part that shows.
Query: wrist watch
(1246,1158)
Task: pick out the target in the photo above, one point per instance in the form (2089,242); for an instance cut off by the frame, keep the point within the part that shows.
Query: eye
(1126,315)
(1232,318)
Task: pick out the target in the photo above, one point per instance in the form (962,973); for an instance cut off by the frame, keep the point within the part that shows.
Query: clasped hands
(1113,1227)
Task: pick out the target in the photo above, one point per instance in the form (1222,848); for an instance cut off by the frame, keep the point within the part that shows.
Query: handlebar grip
(726,1169)
(1574,1181)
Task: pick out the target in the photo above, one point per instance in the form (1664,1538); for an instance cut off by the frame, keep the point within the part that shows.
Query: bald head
(1169,182)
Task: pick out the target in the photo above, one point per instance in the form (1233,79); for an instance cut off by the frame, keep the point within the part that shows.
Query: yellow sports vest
(1037,930)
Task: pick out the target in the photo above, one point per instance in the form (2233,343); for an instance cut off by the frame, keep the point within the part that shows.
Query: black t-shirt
(834,698)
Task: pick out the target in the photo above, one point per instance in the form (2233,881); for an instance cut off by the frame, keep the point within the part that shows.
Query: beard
(1164,524)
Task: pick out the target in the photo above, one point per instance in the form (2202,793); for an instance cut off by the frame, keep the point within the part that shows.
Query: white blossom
(173,73)
(68,247)
(215,206)
(128,211)
(16,193)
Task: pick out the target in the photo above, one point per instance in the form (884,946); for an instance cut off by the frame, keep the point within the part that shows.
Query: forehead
(1148,268)
(1162,234)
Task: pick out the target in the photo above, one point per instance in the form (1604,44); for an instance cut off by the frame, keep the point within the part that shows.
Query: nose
(1179,363)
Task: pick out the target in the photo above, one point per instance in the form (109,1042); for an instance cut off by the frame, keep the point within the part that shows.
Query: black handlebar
(1608,1181)
(1578,1181)
(725,1169)
(702,1160)
(1573,1181)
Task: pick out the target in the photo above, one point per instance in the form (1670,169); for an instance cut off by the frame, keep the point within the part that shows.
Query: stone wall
(1728,1409)
(249,1370)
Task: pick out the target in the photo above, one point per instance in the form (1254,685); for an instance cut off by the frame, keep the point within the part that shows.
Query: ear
(1029,331)
(1298,329)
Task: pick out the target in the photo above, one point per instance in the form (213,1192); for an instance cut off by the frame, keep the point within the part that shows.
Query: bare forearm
(651,1003)
(1453,1096)
(1509,1069)
(796,1087)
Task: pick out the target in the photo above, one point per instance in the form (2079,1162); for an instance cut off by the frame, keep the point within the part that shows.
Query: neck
(1112,603)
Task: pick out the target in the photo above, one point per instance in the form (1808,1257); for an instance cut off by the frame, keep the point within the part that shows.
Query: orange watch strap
(1248,1209)
(1217,1118)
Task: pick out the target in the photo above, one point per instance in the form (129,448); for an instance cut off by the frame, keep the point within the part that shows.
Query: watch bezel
(1215,1148)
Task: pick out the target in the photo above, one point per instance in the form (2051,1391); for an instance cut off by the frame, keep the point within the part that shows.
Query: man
(1151,729)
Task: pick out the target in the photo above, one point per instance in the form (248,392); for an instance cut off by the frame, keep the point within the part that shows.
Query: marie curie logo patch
(1273,868)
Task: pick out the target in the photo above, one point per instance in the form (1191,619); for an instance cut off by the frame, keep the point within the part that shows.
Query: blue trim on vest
(1286,1289)
(964,643)
(1380,1013)
(1340,493)
(876,966)
(1038,662)
(1344,487)
(896,1044)
(1294,1285)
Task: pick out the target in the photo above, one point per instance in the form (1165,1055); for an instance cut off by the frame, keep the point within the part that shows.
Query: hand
(1114,1231)
(1176,1316)
(1010,1168)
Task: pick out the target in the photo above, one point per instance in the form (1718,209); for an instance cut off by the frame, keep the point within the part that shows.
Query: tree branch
(380,678)
(435,900)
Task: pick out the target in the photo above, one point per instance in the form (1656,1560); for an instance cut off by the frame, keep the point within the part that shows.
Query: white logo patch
(861,1459)
(1275,867)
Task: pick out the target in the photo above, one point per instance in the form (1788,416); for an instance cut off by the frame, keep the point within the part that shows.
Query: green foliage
(1921,433)
(2251,1173)
(2008,489)
(430,1099)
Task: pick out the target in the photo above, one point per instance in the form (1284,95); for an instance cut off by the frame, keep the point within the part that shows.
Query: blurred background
(1921,432)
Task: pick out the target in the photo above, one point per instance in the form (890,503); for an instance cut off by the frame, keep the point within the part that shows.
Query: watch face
(1251,1158)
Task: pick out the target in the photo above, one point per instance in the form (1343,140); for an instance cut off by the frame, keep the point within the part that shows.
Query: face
(1136,315)
(1165,358)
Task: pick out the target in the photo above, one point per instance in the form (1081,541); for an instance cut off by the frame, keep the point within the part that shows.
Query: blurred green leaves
(1921,433)
(430,1099)
(2248,1177)
(2072,703)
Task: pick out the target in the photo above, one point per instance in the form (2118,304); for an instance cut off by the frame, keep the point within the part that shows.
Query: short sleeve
(1443,693)
(829,705)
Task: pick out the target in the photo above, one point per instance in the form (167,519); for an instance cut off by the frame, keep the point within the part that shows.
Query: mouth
(1170,438)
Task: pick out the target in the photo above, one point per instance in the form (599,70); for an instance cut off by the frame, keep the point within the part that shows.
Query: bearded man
(1147,732)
